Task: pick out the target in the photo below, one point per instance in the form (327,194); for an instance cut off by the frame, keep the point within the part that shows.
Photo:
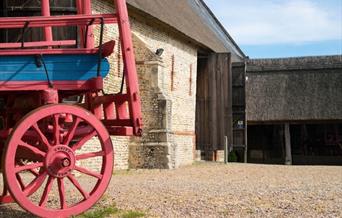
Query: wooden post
(226,151)
(46,13)
(228,118)
(90,36)
(288,155)
(246,142)
(305,130)
(221,74)
(245,115)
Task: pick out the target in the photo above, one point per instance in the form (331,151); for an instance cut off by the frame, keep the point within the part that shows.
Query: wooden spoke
(56,129)
(78,186)
(61,191)
(35,150)
(5,189)
(20,181)
(90,155)
(33,172)
(88,172)
(81,142)
(46,192)
(35,184)
(72,131)
(28,167)
(41,136)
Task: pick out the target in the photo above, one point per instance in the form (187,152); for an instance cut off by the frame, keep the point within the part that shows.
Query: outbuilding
(294,110)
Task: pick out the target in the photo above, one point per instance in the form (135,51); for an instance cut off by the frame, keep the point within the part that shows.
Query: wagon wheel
(46,150)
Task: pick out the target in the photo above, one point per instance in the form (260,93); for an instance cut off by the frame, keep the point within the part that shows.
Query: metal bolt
(66,162)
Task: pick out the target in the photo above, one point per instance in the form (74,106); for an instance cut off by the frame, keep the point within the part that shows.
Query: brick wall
(167,88)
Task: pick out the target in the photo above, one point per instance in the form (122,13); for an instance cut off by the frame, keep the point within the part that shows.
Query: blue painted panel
(59,67)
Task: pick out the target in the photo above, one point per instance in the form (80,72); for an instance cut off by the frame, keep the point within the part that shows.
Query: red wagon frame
(50,145)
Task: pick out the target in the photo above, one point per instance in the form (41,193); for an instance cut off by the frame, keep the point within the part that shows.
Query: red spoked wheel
(59,161)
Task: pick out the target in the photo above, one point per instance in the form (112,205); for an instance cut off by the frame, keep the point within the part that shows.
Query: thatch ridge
(295,63)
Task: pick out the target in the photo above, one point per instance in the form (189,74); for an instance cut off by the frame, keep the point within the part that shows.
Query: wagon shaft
(53,107)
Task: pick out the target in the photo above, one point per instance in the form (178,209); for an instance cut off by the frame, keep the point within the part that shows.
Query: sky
(282,28)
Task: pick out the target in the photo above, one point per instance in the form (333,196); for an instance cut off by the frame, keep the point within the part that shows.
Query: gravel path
(234,190)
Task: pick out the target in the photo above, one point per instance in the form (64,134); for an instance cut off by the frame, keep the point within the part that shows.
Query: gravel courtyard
(218,190)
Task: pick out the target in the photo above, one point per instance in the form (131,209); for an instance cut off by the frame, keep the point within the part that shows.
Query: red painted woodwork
(38,44)
(61,51)
(107,48)
(44,133)
(6,199)
(129,66)
(46,13)
(93,84)
(87,11)
(55,21)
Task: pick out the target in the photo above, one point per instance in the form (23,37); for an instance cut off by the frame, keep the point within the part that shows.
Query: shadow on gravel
(7,211)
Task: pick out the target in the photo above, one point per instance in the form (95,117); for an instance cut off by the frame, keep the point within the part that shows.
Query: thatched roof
(294,89)
(192,18)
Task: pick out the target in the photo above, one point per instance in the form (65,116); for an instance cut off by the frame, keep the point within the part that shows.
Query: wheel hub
(60,161)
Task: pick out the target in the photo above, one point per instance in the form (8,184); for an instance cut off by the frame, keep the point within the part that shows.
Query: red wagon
(53,111)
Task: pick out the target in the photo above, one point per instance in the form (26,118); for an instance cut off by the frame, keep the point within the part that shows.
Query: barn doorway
(213,105)
(311,143)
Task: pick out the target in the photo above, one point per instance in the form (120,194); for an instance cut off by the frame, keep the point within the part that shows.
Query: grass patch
(122,172)
(99,211)
(132,214)
(195,163)
(203,163)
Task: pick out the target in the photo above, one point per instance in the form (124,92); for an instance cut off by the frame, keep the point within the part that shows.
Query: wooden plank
(205,84)
(223,91)
(201,134)
(212,101)
(54,21)
(58,68)
(64,51)
(220,103)
(10,45)
(229,108)
(288,154)
(43,85)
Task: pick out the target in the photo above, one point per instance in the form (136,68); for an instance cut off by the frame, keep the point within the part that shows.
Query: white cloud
(256,22)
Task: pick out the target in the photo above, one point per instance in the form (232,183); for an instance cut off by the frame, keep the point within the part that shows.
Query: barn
(185,61)
(294,110)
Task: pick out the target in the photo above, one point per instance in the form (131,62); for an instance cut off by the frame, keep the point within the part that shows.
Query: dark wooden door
(214,104)
(239,111)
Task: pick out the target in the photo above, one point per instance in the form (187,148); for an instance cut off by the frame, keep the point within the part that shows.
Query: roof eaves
(223,29)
